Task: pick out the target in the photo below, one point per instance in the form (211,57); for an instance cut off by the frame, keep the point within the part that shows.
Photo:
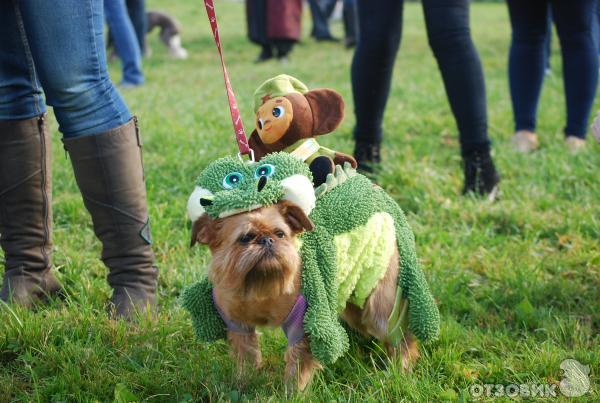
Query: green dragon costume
(343,258)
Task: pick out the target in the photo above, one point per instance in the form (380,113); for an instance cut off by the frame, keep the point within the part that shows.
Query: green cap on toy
(276,87)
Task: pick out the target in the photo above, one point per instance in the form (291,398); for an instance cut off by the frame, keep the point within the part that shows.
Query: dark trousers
(137,13)
(321,12)
(380,28)
(573,19)
(350,20)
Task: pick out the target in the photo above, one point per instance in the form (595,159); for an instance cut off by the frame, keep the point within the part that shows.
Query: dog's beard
(254,271)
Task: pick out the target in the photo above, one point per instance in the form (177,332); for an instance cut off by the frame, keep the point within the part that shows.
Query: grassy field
(517,281)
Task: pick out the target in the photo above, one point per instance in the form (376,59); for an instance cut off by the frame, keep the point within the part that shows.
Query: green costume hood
(282,84)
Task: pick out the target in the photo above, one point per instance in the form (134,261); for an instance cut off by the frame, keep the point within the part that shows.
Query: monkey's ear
(295,217)
(327,108)
(202,231)
(256,144)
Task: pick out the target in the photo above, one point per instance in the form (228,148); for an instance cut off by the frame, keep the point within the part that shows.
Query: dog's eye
(264,170)
(259,123)
(280,234)
(278,111)
(232,180)
(247,237)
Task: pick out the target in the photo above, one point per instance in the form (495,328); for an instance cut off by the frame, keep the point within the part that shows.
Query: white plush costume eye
(299,190)
(194,208)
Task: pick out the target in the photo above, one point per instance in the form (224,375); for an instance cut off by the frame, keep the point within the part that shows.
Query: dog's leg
(378,307)
(246,349)
(372,319)
(409,351)
(300,364)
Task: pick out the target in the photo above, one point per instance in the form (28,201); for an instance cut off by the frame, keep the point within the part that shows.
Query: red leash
(240,133)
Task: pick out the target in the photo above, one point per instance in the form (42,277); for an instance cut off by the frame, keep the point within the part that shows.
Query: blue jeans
(527,58)
(126,42)
(56,48)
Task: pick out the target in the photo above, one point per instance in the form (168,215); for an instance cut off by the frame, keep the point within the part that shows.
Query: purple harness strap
(231,325)
(293,325)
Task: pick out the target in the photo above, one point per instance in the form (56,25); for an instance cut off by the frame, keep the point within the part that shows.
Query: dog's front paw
(256,360)
(407,352)
(300,365)
(246,350)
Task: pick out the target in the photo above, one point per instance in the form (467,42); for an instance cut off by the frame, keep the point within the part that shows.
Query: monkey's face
(273,119)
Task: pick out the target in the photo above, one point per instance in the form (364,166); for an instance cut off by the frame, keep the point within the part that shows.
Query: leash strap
(240,133)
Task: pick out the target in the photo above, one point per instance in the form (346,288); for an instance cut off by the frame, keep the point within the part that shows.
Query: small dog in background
(256,274)
(170,33)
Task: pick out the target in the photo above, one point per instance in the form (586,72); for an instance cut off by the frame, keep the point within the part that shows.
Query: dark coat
(273,19)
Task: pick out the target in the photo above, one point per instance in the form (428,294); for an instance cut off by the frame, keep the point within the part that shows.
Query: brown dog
(256,274)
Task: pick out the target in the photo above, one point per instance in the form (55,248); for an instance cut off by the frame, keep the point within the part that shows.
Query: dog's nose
(266,241)
(262,181)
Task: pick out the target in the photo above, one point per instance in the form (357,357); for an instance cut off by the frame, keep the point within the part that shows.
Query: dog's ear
(202,230)
(327,109)
(256,144)
(295,217)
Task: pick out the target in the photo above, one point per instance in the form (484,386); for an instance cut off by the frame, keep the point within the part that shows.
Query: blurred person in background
(447,22)
(575,22)
(321,11)
(274,25)
(350,23)
(139,20)
(126,42)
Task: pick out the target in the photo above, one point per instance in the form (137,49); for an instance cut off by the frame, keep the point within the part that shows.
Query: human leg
(449,36)
(574,22)
(529,21)
(450,39)
(101,139)
(380,28)
(321,11)
(350,23)
(137,13)
(25,178)
(125,40)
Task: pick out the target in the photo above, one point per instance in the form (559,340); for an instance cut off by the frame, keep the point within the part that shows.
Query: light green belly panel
(363,256)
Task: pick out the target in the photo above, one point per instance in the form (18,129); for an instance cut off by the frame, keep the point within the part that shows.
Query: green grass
(517,281)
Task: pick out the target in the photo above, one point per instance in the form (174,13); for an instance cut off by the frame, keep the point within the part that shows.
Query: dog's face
(255,254)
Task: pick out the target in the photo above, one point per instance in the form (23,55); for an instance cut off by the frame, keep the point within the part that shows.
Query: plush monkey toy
(289,116)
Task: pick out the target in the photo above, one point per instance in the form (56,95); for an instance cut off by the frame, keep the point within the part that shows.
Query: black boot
(481,176)
(367,156)
(265,54)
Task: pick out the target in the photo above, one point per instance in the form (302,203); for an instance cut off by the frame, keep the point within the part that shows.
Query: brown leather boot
(110,175)
(26,211)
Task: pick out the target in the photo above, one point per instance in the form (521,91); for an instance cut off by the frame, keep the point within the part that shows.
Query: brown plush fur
(316,112)
(257,282)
